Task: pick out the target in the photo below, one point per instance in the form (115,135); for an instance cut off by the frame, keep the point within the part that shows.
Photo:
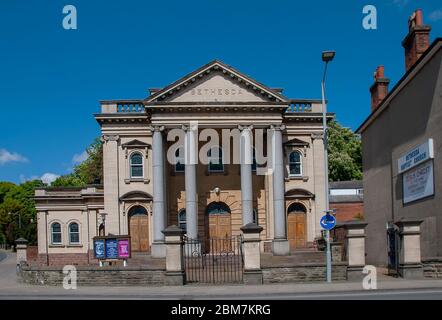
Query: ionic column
(280,243)
(191,156)
(159,209)
(246,174)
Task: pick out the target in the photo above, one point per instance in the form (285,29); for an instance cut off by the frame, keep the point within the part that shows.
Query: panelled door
(139,231)
(296,227)
(218,226)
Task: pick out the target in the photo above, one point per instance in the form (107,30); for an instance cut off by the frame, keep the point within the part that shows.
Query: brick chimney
(417,39)
(379,89)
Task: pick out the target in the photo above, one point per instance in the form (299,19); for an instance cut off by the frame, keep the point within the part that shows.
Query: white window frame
(52,232)
(69,233)
(138,165)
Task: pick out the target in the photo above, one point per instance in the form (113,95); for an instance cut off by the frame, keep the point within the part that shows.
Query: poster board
(112,247)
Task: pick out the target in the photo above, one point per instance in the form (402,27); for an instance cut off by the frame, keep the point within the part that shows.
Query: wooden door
(139,233)
(219,227)
(296,230)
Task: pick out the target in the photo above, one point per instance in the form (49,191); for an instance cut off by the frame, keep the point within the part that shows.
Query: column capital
(110,137)
(156,128)
(245,127)
(278,127)
(317,136)
(189,127)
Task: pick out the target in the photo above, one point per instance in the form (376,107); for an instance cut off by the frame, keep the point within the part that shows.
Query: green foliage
(345,153)
(88,172)
(17,208)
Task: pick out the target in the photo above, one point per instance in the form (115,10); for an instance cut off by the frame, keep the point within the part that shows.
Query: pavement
(387,288)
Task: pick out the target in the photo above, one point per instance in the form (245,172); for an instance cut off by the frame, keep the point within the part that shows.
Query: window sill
(57,246)
(79,245)
(131,180)
(303,178)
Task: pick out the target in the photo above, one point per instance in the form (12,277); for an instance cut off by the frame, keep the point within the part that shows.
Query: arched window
(295,163)
(74,233)
(296,208)
(182,222)
(215,157)
(136,166)
(56,233)
(179,164)
(218,208)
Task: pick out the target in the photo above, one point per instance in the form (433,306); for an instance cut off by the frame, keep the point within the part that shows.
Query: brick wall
(348,211)
(32,254)
(432,268)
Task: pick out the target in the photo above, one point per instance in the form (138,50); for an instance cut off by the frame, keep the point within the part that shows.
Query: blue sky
(52,78)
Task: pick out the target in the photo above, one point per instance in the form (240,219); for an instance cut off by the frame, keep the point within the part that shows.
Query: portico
(212,152)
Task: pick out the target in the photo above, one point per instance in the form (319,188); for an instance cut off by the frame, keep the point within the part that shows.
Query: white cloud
(6,156)
(47,178)
(436,15)
(79,158)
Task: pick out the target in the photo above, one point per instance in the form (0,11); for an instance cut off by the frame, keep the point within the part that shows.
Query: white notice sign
(418,182)
(416,156)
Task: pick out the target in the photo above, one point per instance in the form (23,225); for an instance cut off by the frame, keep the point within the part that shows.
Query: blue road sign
(328,222)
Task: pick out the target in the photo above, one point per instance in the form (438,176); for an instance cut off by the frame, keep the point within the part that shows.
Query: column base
(174,278)
(355,273)
(253,277)
(411,271)
(280,247)
(158,250)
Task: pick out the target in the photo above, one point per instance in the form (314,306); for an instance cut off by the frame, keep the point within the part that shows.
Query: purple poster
(123,248)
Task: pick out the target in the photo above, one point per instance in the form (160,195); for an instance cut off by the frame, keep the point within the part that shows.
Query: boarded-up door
(139,233)
(296,230)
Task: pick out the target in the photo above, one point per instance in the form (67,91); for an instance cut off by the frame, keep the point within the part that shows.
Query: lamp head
(328,56)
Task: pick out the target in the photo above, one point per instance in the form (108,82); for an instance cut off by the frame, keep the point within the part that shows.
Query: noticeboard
(418,183)
(112,247)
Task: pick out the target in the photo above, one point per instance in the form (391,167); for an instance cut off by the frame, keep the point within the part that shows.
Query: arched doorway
(139,229)
(297,226)
(218,222)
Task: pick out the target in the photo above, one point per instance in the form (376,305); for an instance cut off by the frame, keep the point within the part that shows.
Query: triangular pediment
(216,82)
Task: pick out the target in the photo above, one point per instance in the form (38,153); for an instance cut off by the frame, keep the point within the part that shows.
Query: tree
(88,172)
(345,153)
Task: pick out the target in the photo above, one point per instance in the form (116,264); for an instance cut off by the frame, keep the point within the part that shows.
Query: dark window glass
(218,208)
(136,166)
(182,220)
(179,166)
(215,160)
(295,164)
(74,234)
(56,232)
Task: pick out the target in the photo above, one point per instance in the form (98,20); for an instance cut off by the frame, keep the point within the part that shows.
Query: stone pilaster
(355,247)
(252,254)
(21,245)
(159,209)
(174,256)
(280,243)
(410,261)
(246,153)
(191,157)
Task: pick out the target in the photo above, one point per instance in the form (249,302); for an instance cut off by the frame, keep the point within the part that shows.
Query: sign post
(328,222)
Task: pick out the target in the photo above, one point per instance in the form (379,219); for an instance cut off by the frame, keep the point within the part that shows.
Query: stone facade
(217,98)
(303,273)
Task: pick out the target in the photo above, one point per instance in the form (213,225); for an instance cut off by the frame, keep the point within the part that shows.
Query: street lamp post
(327,56)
